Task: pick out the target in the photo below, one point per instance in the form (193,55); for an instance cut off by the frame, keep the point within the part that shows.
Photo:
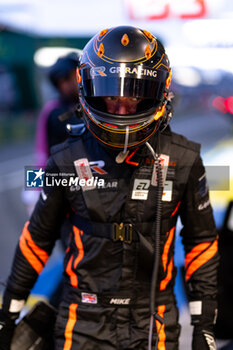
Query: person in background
(54,116)
(51,126)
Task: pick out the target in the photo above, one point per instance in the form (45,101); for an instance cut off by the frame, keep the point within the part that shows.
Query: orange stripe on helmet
(197,250)
(70,272)
(29,250)
(167,279)
(169,79)
(70,326)
(161,329)
(201,259)
(78,76)
(159,113)
(167,248)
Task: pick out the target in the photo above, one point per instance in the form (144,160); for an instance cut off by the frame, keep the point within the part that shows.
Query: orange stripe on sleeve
(161,329)
(25,242)
(70,326)
(167,279)
(167,247)
(197,250)
(70,272)
(201,259)
(28,254)
(42,254)
(79,245)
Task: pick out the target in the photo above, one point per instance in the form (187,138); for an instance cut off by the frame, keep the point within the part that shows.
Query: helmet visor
(125,81)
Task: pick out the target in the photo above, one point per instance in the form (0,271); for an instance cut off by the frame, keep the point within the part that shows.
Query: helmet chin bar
(124,138)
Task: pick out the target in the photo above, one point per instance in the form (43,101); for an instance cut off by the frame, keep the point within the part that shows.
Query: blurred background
(198,38)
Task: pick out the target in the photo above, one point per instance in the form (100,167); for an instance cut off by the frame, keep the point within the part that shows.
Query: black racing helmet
(124,62)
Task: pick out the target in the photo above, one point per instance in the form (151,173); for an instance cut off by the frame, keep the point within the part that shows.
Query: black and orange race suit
(107,275)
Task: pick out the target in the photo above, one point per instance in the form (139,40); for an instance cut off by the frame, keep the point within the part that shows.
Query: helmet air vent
(148,34)
(125,40)
(101,50)
(148,52)
(103,32)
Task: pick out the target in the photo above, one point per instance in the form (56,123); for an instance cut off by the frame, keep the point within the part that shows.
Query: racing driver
(114,252)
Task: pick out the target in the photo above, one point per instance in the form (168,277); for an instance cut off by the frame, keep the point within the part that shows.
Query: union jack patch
(89,298)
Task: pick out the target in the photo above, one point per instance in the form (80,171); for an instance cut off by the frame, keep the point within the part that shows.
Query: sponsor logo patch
(106,184)
(140,189)
(110,184)
(97,167)
(89,298)
(120,301)
(124,71)
(98,71)
(167,191)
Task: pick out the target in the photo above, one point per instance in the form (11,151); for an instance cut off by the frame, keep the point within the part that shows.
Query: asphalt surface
(13,158)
